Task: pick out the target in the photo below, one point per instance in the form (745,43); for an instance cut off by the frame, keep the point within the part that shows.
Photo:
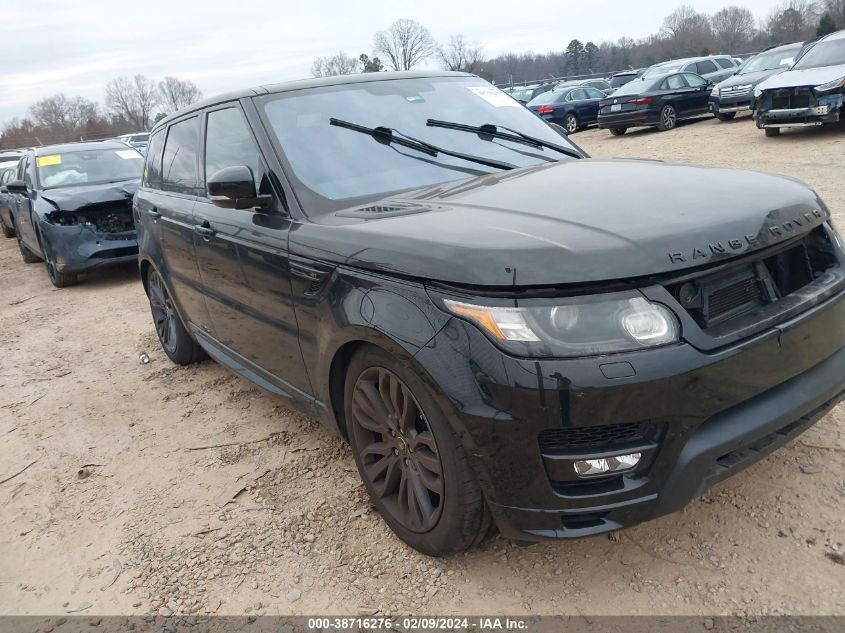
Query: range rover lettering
(423,264)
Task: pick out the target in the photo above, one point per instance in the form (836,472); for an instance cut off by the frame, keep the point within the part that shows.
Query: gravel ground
(152,488)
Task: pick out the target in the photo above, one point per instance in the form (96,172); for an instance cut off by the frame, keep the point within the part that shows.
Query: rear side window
(592,93)
(725,63)
(179,161)
(705,66)
(228,143)
(152,168)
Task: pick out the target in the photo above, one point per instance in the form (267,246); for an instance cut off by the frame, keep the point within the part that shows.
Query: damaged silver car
(74,207)
(810,93)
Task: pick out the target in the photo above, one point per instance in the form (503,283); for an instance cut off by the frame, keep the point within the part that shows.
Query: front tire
(772,131)
(27,255)
(175,339)
(618,131)
(412,462)
(570,123)
(60,279)
(668,118)
(8,231)
(725,116)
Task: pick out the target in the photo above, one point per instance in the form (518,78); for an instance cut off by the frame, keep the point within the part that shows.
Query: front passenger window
(179,162)
(229,143)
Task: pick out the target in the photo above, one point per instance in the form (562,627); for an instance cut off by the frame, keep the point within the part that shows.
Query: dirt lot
(146,527)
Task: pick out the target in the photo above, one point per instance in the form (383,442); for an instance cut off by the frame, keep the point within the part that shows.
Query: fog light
(619,463)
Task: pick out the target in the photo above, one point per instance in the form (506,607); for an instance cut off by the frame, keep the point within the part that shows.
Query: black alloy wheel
(397,448)
(668,118)
(175,340)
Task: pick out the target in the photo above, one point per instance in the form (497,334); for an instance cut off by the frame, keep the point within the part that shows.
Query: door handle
(205,230)
(153,213)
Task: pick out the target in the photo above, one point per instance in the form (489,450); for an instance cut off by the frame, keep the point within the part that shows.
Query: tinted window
(179,161)
(552,96)
(621,80)
(152,170)
(675,82)
(357,165)
(592,93)
(228,142)
(694,80)
(706,66)
(725,63)
(27,172)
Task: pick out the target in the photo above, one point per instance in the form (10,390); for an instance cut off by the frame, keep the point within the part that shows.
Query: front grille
(720,297)
(595,439)
(790,101)
(736,295)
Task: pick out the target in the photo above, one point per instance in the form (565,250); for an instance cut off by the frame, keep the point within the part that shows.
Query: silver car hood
(805,77)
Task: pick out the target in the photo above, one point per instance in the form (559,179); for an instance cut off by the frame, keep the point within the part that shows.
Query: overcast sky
(53,46)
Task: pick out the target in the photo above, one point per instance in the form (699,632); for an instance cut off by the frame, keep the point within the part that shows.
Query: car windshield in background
(829,53)
(633,87)
(522,94)
(769,61)
(88,167)
(139,138)
(358,165)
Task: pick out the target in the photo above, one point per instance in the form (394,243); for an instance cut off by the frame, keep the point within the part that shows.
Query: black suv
(429,268)
(73,207)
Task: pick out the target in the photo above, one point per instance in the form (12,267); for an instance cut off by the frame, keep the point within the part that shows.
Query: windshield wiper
(389,136)
(489,129)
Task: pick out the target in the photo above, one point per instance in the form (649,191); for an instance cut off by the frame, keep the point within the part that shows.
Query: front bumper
(79,248)
(715,413)
(826,110)
(722,105)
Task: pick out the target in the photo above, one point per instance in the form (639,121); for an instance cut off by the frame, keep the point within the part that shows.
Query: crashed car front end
(90,236)
(802,106)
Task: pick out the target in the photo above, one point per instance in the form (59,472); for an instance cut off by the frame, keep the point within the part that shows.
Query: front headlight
(830,86)
(578,326)
(715,91)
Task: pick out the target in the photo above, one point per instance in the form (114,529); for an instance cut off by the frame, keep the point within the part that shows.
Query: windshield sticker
(786,61)
(494,97)
(127,154)
(414,99)
(46,161)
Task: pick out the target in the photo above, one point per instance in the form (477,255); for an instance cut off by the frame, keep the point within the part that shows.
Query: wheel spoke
(419,497)
(365,415)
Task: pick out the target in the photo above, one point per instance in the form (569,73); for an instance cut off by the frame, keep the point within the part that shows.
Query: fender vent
(312,272)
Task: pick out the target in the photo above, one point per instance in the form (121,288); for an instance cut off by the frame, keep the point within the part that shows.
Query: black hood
(566,223)
(78,196)
(749,79)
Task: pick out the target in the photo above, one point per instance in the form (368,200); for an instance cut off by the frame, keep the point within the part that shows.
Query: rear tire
(411,460)
(618,131)
(570,123)
(8,231)
(725,116)
(175,339)
(668,118)
(772,131)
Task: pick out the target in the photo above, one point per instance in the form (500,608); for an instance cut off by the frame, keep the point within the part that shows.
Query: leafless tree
(133,99)
(836,9)
(178,93)
(63,115)
(687,31)
(405,44)
(792,21)
(732,27)
(338,64)
(461,55)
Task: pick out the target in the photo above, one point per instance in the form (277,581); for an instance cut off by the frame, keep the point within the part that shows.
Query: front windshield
(665,69)
(829,53)
(88,167)
(333,163)
(768,61)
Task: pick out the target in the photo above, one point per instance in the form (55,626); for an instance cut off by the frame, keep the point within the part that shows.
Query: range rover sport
(506,331)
